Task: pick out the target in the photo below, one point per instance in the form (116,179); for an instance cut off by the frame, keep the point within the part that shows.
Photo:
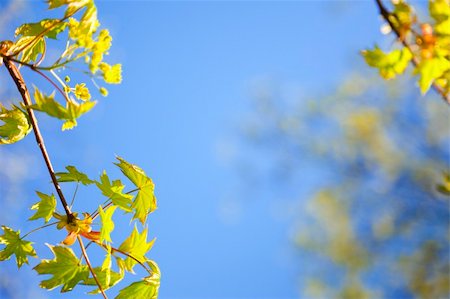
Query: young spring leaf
(66,269)
(16,125)
(145,201)
(114,192)
(430,70)
(137,246)
(45,208)
(389,64)
(69,113)
(47,27)
(147,288)
(107,223)
(73,175)
(15,245)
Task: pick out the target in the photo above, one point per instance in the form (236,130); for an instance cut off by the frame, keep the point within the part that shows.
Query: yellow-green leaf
(389,64)
(66,269)
(430,70)
(137,246)
(147,288)
(15,245)
(73,175)
(45,208)
(15,125)
(107,223)
(114,192)
(47,27)
(106,277)
(145,201)
(69,113)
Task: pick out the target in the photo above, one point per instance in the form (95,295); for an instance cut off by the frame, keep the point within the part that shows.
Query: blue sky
(190,69)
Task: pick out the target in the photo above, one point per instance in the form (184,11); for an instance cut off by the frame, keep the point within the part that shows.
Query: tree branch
(386,14)
(23,90)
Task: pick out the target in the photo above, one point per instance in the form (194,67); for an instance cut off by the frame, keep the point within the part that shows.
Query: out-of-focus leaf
(430,70)
(389,64)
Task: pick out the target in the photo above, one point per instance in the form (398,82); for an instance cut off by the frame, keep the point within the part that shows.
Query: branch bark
(386,14)
(23,90)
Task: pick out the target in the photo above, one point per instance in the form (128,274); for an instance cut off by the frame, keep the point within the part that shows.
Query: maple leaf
(73,175)
(45,208)
(137,246)
(15,245)
(114,192)
(69,113)
(66,269)
(147,288)
(145,201)
(15,124)
(106,277)
(107,223)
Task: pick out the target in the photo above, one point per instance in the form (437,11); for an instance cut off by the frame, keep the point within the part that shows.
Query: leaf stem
(66,97)
(86,257)
(39,228)
(23,90)
(126,254)
(74,194)
(386,14)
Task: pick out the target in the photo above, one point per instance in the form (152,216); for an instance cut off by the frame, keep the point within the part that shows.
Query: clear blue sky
(189,69)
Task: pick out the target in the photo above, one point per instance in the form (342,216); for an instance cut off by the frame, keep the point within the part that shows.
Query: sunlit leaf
(137,246)
(45,208)
(69,113)
(107,223)
(431,69)
(15,245)
(389,64)
(73,175)
(147,288)
(15,125)
(47,27)
(106,277)
(145,201)
(65,268)
(114,192)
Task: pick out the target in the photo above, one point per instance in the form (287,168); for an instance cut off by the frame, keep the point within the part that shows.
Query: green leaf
(147,288)
(66,269)
(35,29)
(16,124)
(69,113)
(106,277)
(107,223)
(137,246)
(73,175)
(389,64)
(145,201)
(444,187)
(45,208)
(15,245)
(114,192)
(430,70)
(29,47)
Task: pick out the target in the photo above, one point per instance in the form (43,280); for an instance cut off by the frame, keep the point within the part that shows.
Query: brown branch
(83,250)
(386,14)
(21,86)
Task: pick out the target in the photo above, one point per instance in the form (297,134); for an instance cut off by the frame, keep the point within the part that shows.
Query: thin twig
(386,14)
(126,254)
(74,194)
(83,250)
(52,83)
(23,90)
(39,228)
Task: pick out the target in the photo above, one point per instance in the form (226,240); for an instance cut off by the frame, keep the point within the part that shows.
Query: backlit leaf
(389,64)
(47,27)
(69,113)
(430,70)
(107,223)
(106,277)
(147,288)
(15,124)
(137,246)
(114,192)
(145,201)
(15,245)
(65,268)
(45,208)
(73,175)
